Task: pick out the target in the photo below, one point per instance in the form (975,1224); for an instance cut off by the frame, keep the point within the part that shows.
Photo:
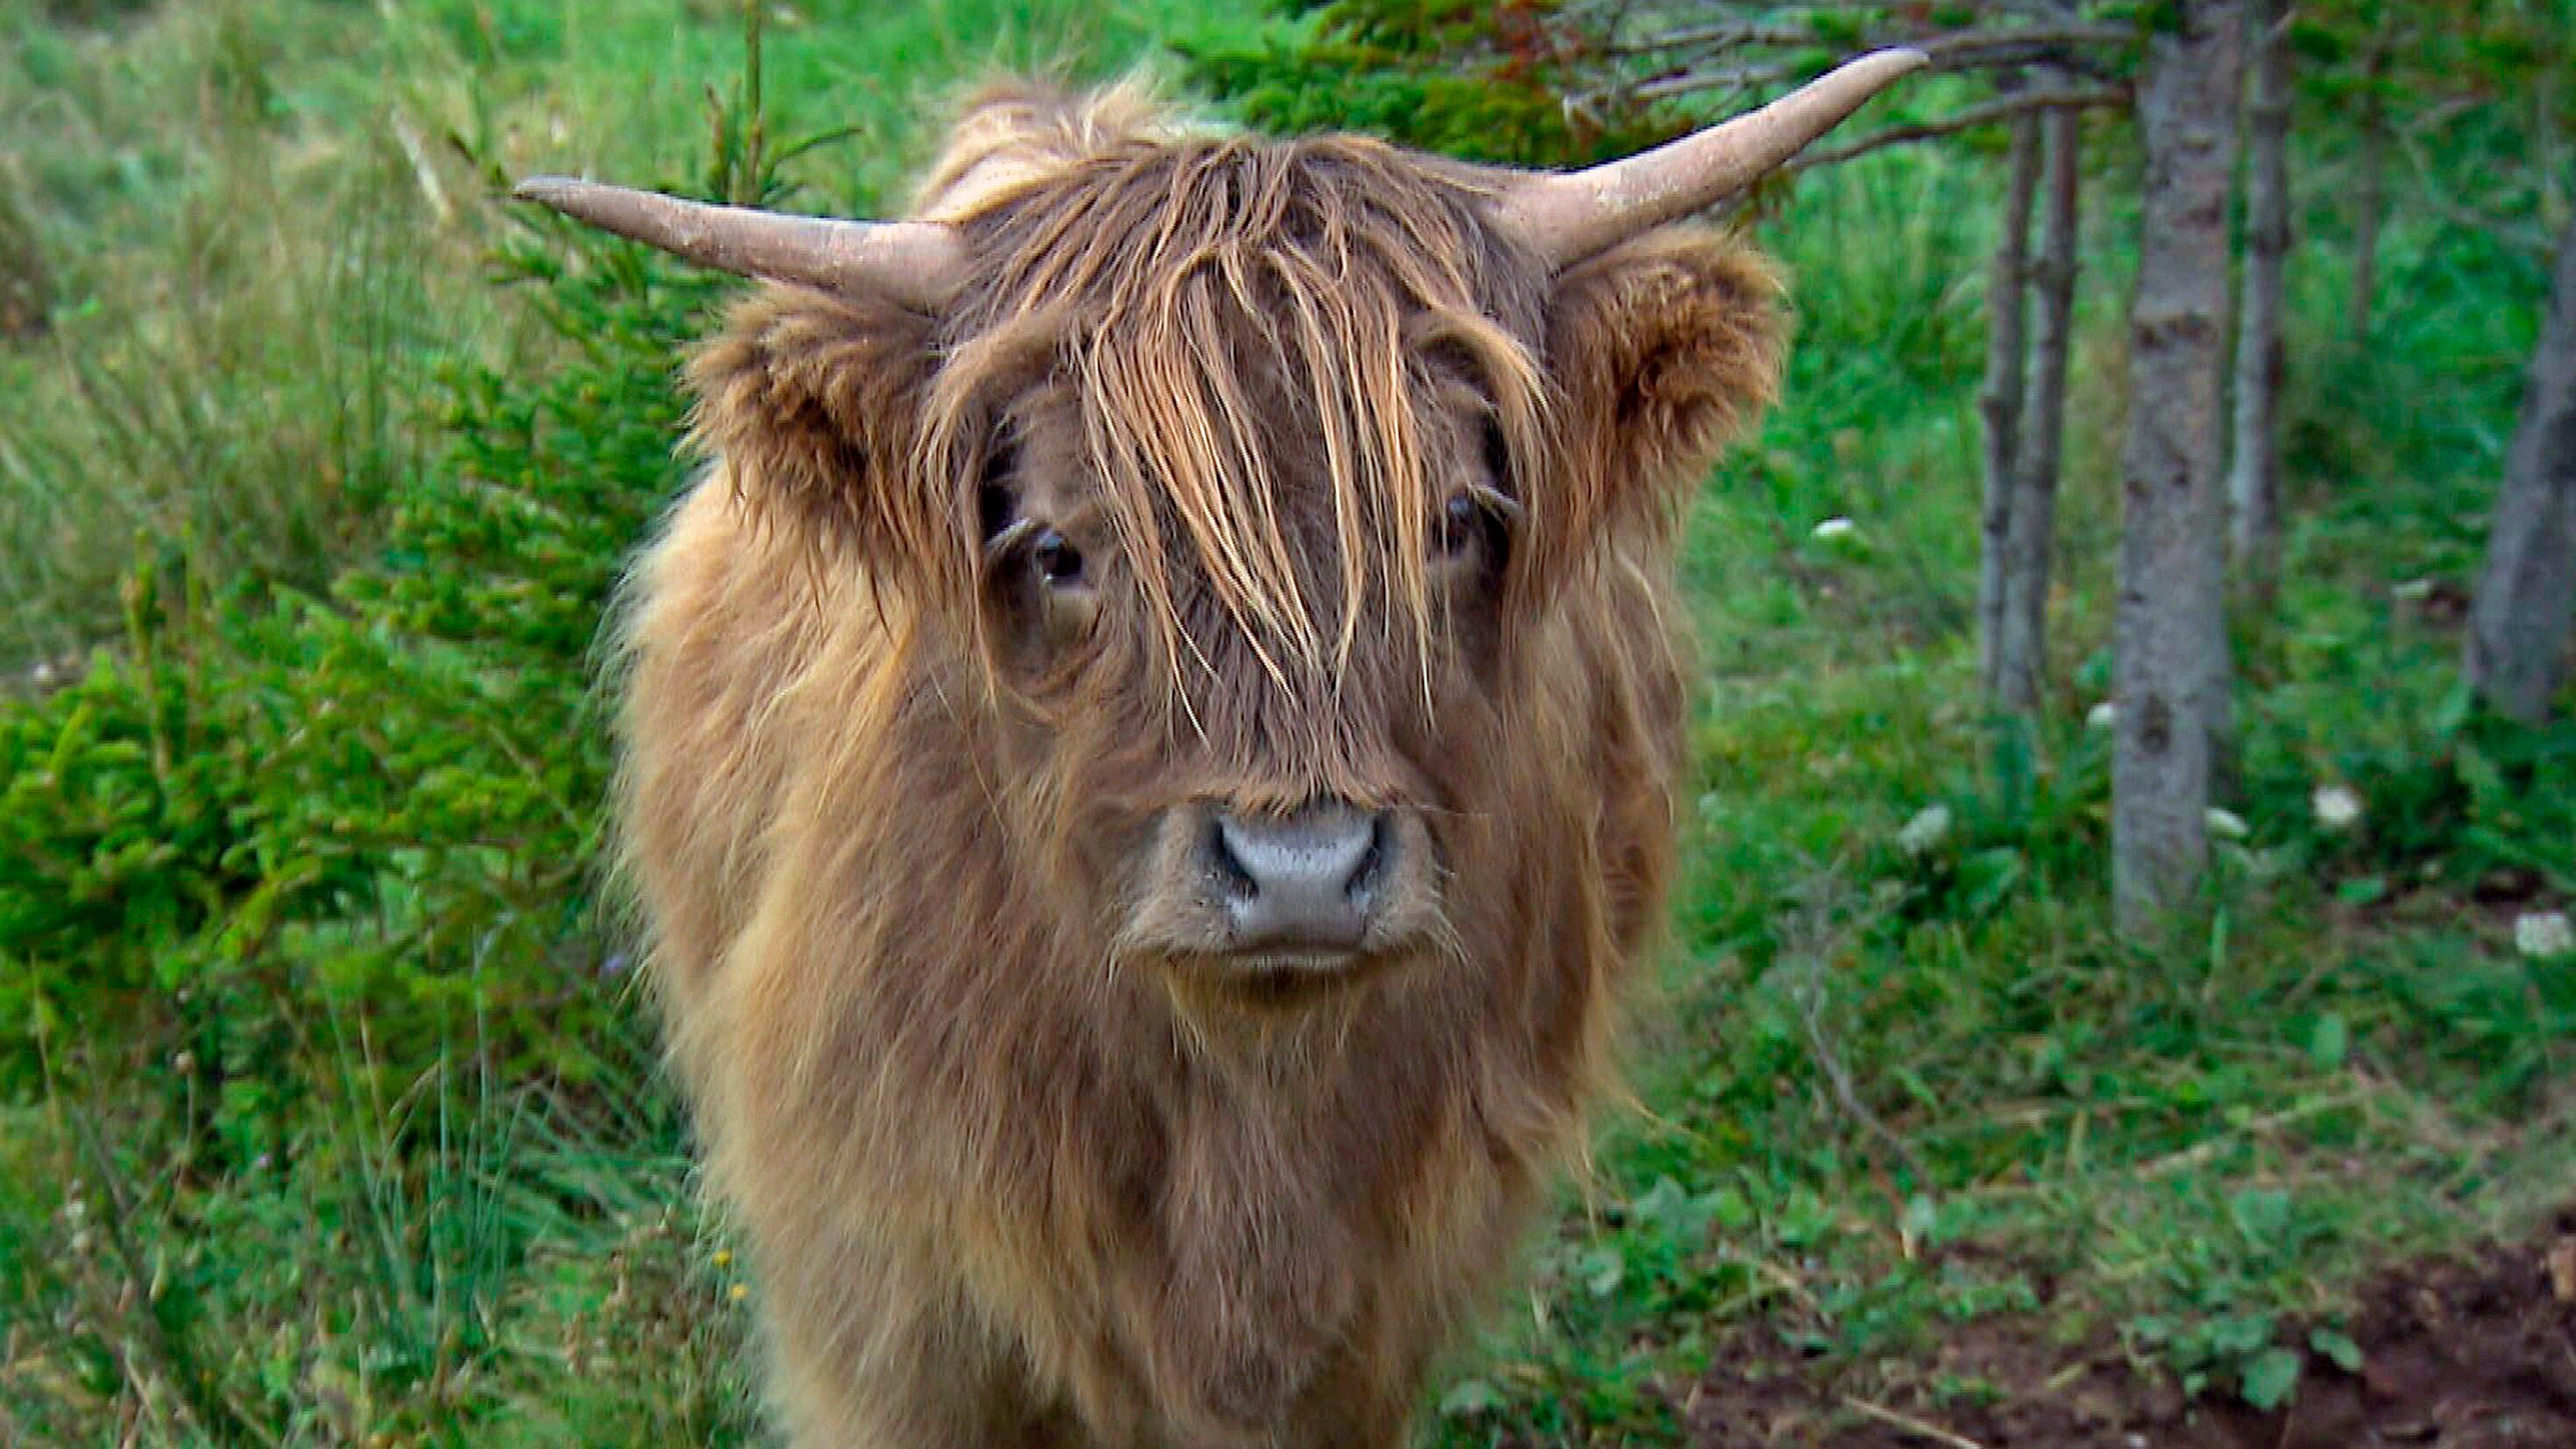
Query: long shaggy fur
(1006,1177)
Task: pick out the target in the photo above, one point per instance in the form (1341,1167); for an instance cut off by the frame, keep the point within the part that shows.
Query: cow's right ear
(815,400)
(1665,347)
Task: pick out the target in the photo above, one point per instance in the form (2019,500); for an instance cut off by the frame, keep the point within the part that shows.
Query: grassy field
(327,1113)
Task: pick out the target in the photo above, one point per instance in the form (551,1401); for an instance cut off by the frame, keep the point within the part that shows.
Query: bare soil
(2473,1352)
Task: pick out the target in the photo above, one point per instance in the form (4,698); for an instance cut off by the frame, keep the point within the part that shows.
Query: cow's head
(1231,476)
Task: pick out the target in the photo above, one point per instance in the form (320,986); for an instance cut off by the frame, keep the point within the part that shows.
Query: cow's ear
(1663,350)
(814,400)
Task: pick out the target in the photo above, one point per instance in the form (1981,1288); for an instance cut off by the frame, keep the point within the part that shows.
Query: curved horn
(915,262)
(1572,215)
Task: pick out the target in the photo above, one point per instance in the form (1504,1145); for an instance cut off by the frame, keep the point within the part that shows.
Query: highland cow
(1153,743)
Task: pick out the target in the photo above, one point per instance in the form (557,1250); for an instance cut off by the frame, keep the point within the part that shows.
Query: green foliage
(317,869)
(263,222)
(328,1116)
(387,795)
(442,1254)
(324,1112)
(1482,82)
(1921,1080)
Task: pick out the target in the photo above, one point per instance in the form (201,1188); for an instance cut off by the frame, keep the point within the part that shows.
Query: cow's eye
(1462,526)
(1055,557)
(1474,530)
(1043,585)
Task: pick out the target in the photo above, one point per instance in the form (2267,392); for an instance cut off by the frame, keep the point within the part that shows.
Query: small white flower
(1834,528)
(2541,935)
(2338,807)
(42,676)
(1926,830)
(2227,823)
(2102,716)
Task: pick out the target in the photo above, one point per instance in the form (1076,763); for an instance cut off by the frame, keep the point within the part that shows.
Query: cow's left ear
(1663,349)
(815,400)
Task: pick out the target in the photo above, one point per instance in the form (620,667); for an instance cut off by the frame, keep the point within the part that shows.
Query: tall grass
(260,219)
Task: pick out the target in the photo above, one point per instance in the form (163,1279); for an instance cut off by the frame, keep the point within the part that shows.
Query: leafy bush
(384,798)
(1470,80)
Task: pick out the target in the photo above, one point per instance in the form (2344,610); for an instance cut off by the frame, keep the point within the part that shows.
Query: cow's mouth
(1282,980)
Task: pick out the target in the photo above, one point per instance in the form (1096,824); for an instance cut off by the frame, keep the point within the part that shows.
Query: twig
(1910,1424)
(1974,116)
(2529,241)
(1954,50)
(1717,37)
(422,171)
(1810,965)
(1692,82)
(2200,1152)
(1949,52)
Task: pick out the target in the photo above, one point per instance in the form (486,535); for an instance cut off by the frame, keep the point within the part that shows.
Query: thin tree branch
(1940,45)
(1721,37)
(2531,241)
(1947,50)
(2094,97)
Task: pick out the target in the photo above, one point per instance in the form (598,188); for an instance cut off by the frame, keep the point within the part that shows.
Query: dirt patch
(2477,1352)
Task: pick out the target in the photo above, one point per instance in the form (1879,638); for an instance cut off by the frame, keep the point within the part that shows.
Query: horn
(1572,215)
(917,263)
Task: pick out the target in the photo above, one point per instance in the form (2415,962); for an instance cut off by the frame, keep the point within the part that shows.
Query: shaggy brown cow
(1153,742)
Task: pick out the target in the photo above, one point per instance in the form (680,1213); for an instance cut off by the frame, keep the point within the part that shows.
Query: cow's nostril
(1302,881)
(1228,869)
(1362,885)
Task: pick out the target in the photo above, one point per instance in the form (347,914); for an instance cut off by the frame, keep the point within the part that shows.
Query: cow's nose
(1307,881)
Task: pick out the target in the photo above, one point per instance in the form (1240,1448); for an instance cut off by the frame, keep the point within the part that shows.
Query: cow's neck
(1283,1143)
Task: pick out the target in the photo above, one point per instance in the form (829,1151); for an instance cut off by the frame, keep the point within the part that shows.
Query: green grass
(1887,1092)
(325,1112)
(262,223)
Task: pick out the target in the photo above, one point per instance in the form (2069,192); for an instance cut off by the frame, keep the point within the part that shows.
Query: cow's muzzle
(1307,891)
(1308,882)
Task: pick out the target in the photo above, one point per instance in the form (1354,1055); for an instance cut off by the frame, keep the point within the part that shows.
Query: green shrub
(1456,78)
(385,797)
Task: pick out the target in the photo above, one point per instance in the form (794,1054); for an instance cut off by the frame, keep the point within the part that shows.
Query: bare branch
(2527,239)
(1953,51)
(2088,98)
(1942,46)
(2010,48)
(1715,37)
(1693,82)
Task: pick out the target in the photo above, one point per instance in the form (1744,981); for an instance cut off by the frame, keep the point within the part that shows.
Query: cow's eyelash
(1496,501)
(1009,539)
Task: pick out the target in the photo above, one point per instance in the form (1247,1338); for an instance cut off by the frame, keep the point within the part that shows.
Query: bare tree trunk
(2022,653)
(2170,637)
(2526,604)
(2254,481)
(2548,152)
(2002,405)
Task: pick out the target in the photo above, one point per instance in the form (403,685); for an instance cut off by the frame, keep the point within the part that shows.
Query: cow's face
(1238,488)
(1246,608)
